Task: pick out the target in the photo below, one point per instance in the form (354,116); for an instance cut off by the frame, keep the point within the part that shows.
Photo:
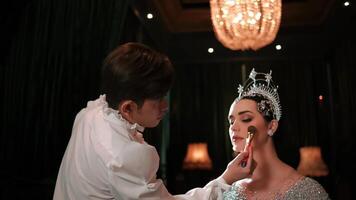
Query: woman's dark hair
(135,72)
(266,110)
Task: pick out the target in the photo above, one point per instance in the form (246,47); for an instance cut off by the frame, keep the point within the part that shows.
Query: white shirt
(107,158)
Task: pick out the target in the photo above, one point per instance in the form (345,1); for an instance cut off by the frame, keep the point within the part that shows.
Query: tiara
(261,84)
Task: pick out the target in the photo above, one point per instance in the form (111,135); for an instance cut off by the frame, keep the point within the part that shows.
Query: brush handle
(243,163)
(248,142)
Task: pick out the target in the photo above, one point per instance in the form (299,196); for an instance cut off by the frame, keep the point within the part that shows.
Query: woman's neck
(268,165)
(271,177)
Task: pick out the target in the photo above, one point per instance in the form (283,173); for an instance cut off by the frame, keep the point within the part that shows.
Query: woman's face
(242,114)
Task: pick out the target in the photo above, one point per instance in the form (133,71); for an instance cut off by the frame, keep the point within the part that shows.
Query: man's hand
(235,170)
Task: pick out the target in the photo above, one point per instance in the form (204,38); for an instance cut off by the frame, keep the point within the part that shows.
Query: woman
(258,106)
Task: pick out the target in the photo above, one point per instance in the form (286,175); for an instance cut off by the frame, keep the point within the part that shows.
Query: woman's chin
(236,149)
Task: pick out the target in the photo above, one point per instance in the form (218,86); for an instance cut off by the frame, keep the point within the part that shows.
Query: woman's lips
(237,143)
(237,138)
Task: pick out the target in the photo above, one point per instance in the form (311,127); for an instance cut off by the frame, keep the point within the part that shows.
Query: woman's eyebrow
(243,112)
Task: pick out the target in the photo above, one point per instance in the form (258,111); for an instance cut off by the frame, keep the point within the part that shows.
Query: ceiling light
(149,16)
(210,50)
(241,25)
(278,47)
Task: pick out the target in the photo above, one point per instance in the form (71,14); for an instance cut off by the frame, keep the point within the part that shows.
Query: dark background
(51,54)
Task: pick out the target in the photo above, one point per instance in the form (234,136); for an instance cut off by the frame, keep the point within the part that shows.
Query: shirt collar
(115,117)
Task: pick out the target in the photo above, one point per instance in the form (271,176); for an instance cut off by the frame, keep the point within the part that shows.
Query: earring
(270,132)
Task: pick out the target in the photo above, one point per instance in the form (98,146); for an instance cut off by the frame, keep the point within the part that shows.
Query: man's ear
(126,109)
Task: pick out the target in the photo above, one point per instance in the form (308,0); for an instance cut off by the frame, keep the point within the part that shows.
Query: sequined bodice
(305,188)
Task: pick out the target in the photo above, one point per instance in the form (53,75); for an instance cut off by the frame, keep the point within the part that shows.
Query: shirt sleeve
(133,174)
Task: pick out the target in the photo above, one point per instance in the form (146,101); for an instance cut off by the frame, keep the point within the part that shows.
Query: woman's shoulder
(307,188)
(237,191)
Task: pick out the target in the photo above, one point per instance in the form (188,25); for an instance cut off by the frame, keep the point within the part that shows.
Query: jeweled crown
(262,84)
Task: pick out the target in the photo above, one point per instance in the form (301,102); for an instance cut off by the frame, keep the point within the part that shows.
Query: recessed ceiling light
(210,50)
(278,47)
(321,97)
(346,3)
(149,16)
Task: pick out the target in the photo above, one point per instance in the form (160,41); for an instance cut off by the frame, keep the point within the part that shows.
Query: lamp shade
(197,157)
(245,24)
(311,162)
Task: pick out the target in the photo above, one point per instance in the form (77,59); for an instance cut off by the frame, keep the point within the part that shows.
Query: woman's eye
(246,120)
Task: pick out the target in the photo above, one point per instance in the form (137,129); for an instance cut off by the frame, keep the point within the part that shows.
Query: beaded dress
(304,188)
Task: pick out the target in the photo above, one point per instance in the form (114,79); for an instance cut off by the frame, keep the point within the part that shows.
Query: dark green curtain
(199,107)
(342,72)
(48,75)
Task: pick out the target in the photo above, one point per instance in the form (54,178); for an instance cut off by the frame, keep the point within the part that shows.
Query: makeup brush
(251,130)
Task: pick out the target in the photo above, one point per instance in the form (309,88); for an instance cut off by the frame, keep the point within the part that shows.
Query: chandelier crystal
(245,24)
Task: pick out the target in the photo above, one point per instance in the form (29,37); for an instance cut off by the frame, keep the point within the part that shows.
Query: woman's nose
(234,126)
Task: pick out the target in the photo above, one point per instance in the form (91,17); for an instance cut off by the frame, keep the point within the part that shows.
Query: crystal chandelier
(245,24)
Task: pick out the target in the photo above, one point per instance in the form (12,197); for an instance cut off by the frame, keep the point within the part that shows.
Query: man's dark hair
(135,72)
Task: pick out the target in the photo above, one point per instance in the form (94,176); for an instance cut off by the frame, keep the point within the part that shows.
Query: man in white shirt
(107,157)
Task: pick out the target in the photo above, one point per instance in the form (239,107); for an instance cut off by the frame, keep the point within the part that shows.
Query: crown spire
(262,84)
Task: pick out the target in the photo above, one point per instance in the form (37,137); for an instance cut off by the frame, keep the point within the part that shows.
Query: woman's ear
(273,125)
